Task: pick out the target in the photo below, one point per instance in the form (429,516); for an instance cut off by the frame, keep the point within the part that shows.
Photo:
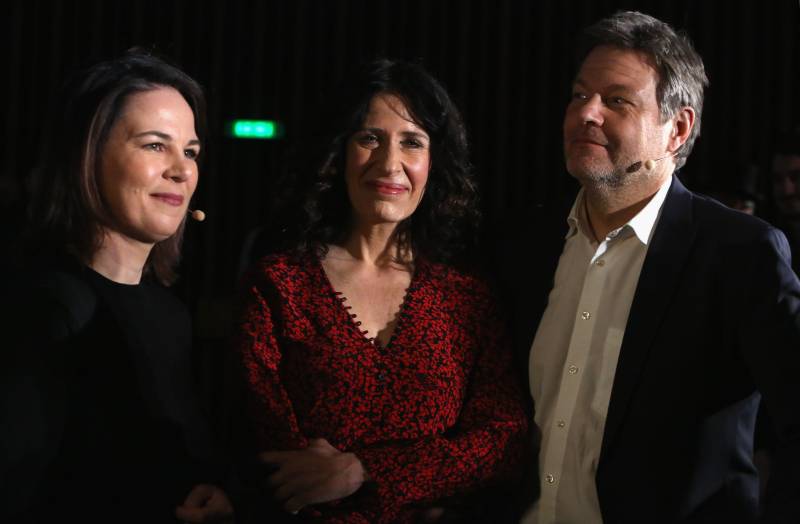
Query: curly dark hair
(444,226)
(67,210)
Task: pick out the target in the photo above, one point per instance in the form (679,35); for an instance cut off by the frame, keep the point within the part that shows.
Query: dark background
(507,63)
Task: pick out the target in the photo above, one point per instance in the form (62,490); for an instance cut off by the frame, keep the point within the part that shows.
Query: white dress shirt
(574,358)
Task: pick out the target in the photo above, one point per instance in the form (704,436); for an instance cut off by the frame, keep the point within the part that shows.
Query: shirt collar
(576,215)
(645,220)
(642,224)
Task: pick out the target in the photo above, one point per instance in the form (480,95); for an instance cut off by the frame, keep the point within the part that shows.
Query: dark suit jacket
(714,325)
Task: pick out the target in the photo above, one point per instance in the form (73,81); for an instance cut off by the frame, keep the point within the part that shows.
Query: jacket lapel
(665,260)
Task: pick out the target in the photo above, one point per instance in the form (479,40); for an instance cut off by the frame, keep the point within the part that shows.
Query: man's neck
(608,209)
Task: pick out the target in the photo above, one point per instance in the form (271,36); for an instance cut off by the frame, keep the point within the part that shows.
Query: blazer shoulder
(721,220)
(47,305)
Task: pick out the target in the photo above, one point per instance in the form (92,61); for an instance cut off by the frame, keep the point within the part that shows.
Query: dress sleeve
(269,406)
(486,445)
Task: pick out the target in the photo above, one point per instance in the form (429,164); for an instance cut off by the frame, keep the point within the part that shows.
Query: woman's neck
(376,245)
(120,258)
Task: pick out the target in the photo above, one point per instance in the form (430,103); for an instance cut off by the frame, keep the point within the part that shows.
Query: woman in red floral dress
(378,373)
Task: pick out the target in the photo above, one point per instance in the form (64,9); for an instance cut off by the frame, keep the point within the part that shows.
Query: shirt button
(380,376)
(600,263)
(585,315)
(561,423)
(550,479)
(573,369)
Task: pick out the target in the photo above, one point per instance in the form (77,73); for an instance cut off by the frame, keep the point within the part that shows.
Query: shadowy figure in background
(739,188)
(785,184)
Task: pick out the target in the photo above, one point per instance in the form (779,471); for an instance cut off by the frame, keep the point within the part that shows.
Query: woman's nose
(390,160)
(181,169)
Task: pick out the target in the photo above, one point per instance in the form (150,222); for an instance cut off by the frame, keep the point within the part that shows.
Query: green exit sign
(256,129)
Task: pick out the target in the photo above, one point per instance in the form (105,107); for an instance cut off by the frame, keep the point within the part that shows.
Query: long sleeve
(269,405)
(436,413)
(36,321)
(32,413)
(771,346)
(486,444)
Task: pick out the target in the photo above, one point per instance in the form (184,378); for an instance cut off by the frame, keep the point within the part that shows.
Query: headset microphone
(197,214)
(648,164)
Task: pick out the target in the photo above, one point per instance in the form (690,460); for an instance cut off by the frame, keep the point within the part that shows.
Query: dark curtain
(507,63)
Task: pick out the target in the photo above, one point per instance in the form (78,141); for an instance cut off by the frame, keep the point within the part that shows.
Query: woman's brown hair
(68,212)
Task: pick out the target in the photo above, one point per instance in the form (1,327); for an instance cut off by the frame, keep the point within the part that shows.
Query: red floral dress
(434,413)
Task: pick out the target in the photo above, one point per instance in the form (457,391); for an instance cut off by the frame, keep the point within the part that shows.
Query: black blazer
(714,325)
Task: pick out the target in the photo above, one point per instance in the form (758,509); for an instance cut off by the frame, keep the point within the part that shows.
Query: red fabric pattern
(433,414)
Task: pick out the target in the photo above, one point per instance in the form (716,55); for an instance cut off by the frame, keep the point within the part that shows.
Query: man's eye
(578,96)
(617,101)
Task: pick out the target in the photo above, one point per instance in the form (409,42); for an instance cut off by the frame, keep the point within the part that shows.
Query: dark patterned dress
(435,413)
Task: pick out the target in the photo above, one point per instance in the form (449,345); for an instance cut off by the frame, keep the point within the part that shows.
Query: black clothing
(792,230)
(99,419)
(713,326)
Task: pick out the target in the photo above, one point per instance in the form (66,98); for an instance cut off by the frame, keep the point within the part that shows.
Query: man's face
(786,184)
(613,119)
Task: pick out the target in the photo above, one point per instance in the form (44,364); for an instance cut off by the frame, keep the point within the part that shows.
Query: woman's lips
(169,198)
(386,188)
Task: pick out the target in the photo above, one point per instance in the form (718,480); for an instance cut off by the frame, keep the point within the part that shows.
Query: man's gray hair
(681,74)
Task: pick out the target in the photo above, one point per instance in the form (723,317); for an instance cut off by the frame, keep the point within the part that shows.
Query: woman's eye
(155,146)
(415,144)
(191,154)
(578,96)
(368,140)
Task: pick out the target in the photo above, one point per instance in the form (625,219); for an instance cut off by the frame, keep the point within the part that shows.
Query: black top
(99,419)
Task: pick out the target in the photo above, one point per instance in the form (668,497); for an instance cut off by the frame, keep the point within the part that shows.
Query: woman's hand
(319,473)
(205,503)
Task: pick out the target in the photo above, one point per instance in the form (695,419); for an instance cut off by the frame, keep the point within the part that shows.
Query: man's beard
(609,178)
(612,180)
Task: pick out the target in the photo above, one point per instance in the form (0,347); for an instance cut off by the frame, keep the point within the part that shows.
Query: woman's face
(148,165)
(387,163)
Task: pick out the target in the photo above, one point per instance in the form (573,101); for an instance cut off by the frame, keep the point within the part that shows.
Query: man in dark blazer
(669,316)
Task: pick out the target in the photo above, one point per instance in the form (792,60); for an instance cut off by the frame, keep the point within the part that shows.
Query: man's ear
(682,124)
